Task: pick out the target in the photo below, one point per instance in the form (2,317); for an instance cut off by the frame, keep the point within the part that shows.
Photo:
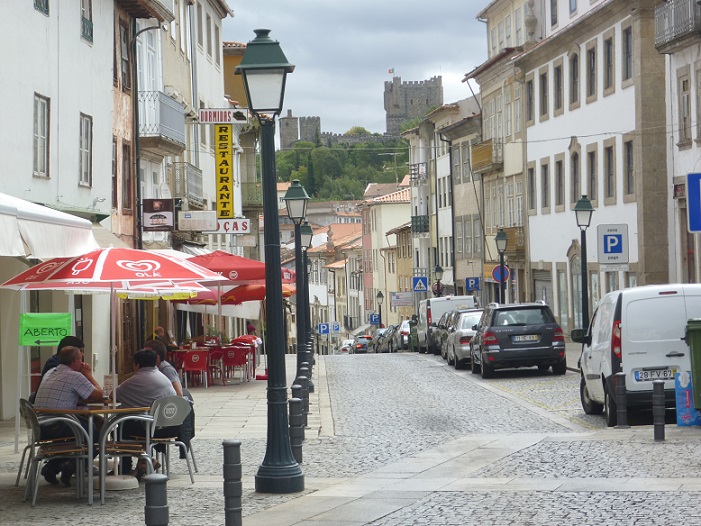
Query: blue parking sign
(322,328)
(472,284)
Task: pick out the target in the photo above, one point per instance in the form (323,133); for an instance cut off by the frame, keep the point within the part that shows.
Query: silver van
(640,332)
(430,311)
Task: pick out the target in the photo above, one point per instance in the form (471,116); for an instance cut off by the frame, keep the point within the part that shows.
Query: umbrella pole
(113,342)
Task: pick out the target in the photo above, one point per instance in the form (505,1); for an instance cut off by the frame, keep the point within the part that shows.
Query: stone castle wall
(407,100)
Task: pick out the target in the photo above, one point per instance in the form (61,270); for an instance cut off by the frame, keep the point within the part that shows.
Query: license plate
(655,374)
(526,338)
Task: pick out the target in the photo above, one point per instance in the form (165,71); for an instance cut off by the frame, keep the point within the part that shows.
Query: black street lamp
(296,199)
(583,211)
(380,299)
(306,235)
(501,241)
(264,68)
(438,287)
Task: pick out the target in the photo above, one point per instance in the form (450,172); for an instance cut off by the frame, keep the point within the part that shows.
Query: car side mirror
(474,327)
(578,336)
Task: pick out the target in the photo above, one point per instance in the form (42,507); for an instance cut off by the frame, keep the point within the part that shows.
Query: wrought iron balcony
(251,195)
(419,224)
(42,6)
(487,155)
(161,123)
(676,22)
(516,241)
(187,183)
(85,27)
(418,174)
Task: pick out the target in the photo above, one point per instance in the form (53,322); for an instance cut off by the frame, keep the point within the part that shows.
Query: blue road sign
(335,327)
(322,328)
(374,319)
(497,273)
(693,201)
(613,243)
(472,284)
(419,284)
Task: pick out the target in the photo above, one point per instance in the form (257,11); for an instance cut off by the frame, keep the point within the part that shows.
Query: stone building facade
(407,100)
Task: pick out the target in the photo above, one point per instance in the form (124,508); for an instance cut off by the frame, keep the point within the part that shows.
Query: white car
(346,347)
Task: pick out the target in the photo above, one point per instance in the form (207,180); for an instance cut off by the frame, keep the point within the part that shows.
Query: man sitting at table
(163,365)
(144,387)
(70,384)
(162,337)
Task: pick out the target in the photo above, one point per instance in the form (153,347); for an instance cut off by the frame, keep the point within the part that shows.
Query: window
(217,46)
(468,237)
(502,218)
(209,35)
(627,59)
(501,35)
(86,19)
(517,108)
(591,176)
(530,114)
(126,176)
(200,25)
(684,108)
(507,112)
(476,236)
(458,237)
(41,136)
(609,173)
(557,74)
(629,167)
(510,219)
(125,62)
(591,72)
(494,41)
(507,30)
(519,203)
(114,171)
(574,172)
(42,6)
(85,168)
(466,172)
(574,79)
(499,133)
(559,184)
(531,189)
(545,186)
(608,65)
(455,152)
(553,12)
(543,94)
(519,26)
(573,6)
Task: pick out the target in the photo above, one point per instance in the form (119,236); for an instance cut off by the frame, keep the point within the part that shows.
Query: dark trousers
(133,428)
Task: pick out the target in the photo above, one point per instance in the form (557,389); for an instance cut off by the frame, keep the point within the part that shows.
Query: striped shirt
(63,388)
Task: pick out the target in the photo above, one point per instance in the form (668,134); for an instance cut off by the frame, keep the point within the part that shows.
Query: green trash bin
(413,336)
(693,340)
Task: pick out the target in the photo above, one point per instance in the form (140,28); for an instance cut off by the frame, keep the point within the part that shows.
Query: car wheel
(560,367)
(474,367)
(609,409)
(451,361)
(487,371)
(459,364)
(542,368)
(444,354)
(590,407)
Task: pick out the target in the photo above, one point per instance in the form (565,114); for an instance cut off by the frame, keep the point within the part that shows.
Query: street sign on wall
(693,201)
(612,242)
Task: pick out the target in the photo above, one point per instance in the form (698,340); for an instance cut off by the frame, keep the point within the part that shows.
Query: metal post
(658,410)
(621,401)
(585,292)
(297,392)
(156,508)
(296,427)
(233,488)
(279,472)
(502,283)
(300,270)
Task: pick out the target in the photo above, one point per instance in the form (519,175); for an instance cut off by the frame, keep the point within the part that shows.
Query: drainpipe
(452,208)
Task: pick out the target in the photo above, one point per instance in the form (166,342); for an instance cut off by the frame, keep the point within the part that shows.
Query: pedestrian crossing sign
(419,284)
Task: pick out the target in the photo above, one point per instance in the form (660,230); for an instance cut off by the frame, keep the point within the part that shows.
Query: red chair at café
(196,361)
(236,356)
(216,367)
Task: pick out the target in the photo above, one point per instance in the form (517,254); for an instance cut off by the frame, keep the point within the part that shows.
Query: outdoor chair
(236,357)
(169,414)
(196,361)
(215,366)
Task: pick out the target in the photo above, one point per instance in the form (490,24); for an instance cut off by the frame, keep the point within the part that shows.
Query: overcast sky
(342,51)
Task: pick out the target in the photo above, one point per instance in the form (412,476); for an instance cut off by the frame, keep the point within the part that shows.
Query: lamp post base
(279,479)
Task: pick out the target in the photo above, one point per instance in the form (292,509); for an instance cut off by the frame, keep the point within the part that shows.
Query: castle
(403,101)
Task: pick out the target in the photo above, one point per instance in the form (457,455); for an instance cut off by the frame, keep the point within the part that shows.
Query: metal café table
(89,411)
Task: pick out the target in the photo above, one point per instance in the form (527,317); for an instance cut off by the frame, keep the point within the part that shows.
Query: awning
(360,330)
(28,229)
(105,238)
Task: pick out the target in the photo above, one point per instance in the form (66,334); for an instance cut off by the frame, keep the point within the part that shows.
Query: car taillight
(616,339)
(358,345)
(404,333)
(465,339)
(559,336)
(490,338)
(428,316)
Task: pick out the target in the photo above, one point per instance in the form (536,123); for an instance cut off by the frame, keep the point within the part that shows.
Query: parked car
(386,341)
(444,332)
(360,345)
(401,337)
(440,332)
(523,335)
(640,332)
(346,347)
(372,346)
(460,335)
(430,311)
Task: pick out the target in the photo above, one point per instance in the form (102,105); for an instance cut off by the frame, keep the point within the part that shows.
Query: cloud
(343,51)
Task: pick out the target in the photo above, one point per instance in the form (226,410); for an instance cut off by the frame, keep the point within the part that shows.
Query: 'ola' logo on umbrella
(144,268)
(233,274)
(46,268)
(81,265)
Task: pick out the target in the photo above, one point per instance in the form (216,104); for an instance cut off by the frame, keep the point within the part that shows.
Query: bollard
(156,508)
(303,382)
(233,488)
(310,365)
(297,393)
(658,410)
(296,428)
(621,401)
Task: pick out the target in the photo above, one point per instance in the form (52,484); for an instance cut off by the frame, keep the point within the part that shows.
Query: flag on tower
(391,71)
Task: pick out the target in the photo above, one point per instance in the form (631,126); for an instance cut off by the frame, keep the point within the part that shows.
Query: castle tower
(289,130)
(406,100)
(310,129)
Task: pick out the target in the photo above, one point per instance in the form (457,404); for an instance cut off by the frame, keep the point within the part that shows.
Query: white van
(640,332)
(431,310)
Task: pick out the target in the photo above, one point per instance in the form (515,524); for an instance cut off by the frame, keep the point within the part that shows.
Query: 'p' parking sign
(613,244)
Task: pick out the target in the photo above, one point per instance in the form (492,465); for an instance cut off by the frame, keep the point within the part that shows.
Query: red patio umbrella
(236,269)
(252,292)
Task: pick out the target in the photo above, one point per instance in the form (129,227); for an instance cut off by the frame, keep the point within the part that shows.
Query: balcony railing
(42,5)
(85,28)
(516,241)
(161,123)
(251,195)
(419,224)
(674,21)
(187,183)
(487,155)
(418,174)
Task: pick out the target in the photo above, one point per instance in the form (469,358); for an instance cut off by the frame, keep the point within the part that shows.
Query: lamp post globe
(380,299)
(264,68)
(438,288)
(501,241)
(583,212)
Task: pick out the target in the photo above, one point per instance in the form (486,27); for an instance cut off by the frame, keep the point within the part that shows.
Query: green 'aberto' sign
(44,328)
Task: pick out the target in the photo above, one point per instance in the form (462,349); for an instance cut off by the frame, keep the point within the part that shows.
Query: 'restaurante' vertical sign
(225,171)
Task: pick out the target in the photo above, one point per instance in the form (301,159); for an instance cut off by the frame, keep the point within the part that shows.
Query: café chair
(215,365)
(236,357)
(75,448)
(196,361)
(169,414)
